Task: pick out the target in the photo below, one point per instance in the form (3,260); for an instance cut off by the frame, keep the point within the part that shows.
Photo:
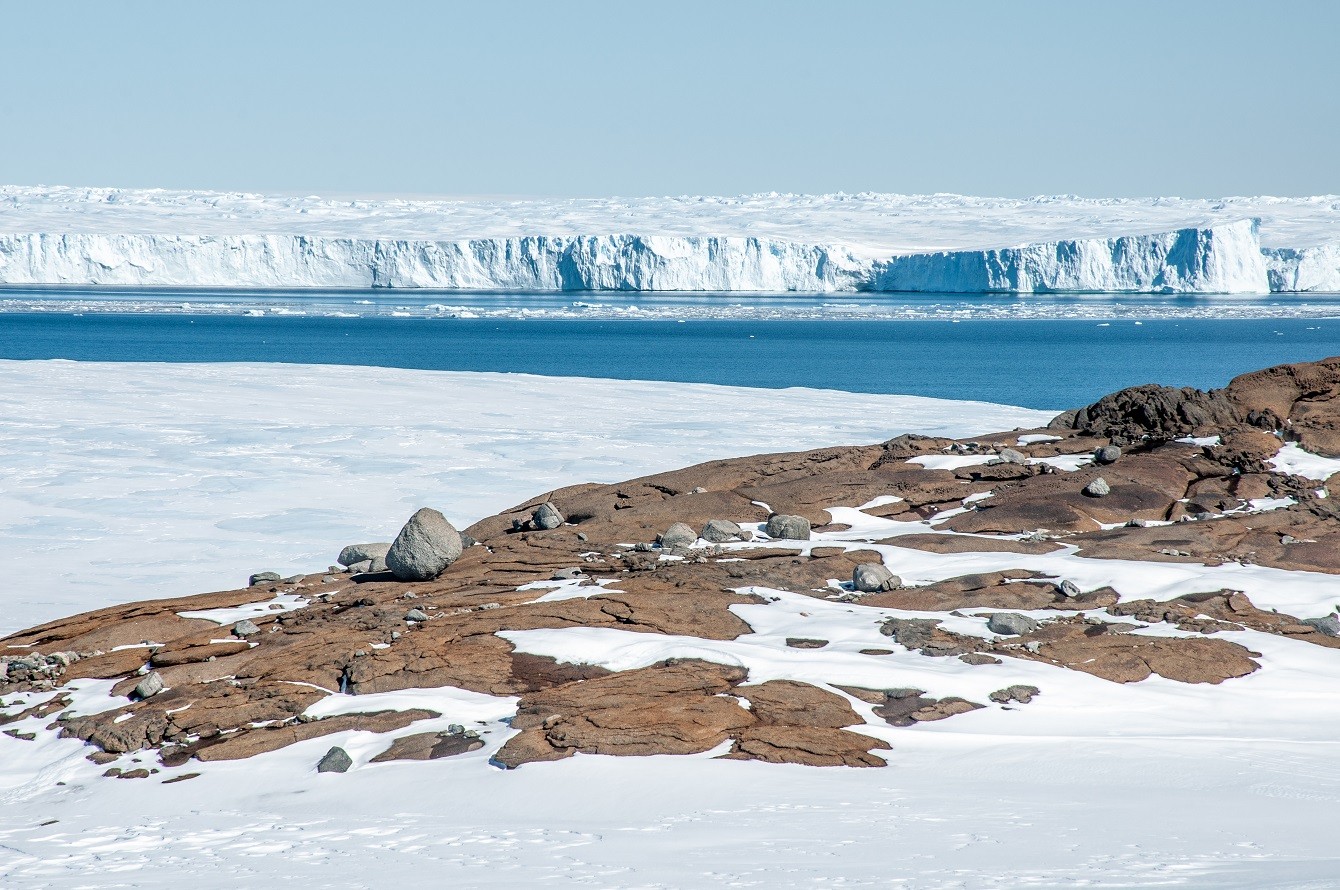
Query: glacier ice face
(761,243)
(1315,269)
(1223,259)
(1220,259)
(540,263)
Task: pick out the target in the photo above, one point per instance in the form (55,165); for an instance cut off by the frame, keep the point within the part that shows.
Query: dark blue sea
(1033,362)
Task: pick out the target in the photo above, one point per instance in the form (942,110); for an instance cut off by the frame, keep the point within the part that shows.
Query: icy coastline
(830,244)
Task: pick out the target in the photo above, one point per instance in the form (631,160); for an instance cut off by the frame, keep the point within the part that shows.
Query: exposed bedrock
(1296,400)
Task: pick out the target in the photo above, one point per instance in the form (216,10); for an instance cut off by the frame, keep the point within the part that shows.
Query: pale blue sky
(1179,97)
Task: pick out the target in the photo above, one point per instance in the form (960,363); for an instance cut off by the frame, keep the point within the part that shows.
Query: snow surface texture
(937,243)
(131,481)
(1151,784)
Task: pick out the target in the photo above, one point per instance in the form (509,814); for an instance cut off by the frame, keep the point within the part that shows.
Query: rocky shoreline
(959,551)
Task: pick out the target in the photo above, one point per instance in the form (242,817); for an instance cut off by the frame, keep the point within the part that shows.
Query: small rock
(377,565)
(872,577)
(150,686)
(245,628)
(1098,488)
(1136,523)
(335,570)
(719,531)
(1010,623)
(1328,625)
(546,516)
(1108,454)
(1021,694)
(295,579)
(359,568)
(678,536)
(1011,456)
(1288,539)
(698,489)
(567,575)
(467,541)
(455,729)
(1069,588)
(978,658)
(263,578)
(337,760)
(581,536)
(805,643)
(643,547)
(416,615)
(424,548)
(362,552)
(784,527)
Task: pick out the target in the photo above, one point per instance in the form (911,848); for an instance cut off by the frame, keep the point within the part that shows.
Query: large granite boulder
(425,546)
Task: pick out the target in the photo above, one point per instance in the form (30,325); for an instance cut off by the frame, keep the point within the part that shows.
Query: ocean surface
(1037,363)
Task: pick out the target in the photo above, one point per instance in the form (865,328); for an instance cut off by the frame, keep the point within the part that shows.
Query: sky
(584,98)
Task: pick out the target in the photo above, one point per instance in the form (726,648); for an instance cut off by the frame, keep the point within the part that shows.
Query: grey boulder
(1069,588)
(425,546)
(1108,454)
(150,686)
(719,531)
(1021,694)
(337,760)
(359,568)
(359,552)
(679,536)
(1329,624)
(416,615)
(546,516)
(245,628)
(1010,456)
(264,578)
(377,565)
(784,527)
(1098,488)
(871,577)
(1011,624)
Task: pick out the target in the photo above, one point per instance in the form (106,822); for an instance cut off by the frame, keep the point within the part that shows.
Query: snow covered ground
(181,474)
(940,243)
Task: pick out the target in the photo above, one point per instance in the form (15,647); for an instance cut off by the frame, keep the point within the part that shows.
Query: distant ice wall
(596,262)
(1223,259)
(1315,269)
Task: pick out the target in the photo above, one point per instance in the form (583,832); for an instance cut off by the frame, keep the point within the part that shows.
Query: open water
(981,353)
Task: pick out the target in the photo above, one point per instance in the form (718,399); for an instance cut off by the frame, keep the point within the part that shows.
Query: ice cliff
(1314,269)
(1220,259)
(543,263)
(762,243)
(1225,259)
